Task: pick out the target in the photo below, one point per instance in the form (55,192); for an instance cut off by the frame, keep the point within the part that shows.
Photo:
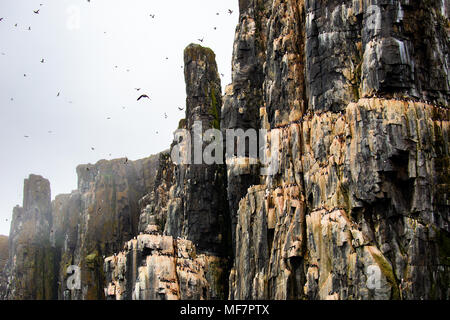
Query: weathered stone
(156,267)
(31,268)
(4,254)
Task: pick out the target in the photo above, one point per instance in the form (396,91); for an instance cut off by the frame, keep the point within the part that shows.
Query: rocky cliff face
(4,254)
(188,205)
(353,96)
(357,94)
(31,265)
(48,239)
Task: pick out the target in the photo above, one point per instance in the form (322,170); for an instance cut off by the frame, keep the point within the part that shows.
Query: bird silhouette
(26,136)
(201,40)
(143,96)
(137,89)
(42,61)
(153,16)
(230,11)
(37,11)
(58,94)
(92,148)
(181,109)
(165,115)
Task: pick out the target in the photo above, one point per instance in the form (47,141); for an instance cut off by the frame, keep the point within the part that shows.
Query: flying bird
(58,94)
(230,11)
(42,61)
(143,96)
(153,16)
(92,148)
(201,40)
(37,11)
(165,115)
(137,89)
(26,136)
(181,109)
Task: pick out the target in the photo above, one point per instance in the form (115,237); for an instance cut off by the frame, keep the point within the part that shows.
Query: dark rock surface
(200,213)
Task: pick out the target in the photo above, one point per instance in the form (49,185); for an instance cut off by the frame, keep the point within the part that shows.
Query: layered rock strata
(357,94)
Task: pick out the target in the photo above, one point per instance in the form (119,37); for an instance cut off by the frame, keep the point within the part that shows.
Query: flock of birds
(141,97)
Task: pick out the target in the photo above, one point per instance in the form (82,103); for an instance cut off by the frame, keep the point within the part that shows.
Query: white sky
(80,64)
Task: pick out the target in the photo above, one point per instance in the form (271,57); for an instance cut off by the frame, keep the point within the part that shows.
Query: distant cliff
(4,254)
(356,202)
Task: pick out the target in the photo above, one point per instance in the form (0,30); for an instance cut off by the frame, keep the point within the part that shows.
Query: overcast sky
(81,44)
